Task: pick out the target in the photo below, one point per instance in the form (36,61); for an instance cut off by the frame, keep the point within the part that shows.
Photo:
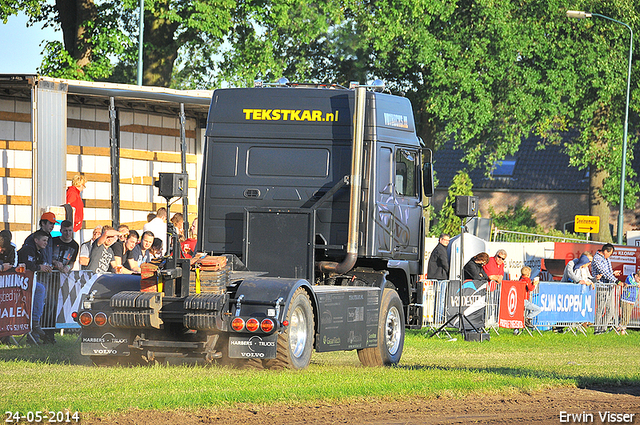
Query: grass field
(58,378)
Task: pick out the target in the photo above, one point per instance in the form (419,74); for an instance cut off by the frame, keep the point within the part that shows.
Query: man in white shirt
(158,226)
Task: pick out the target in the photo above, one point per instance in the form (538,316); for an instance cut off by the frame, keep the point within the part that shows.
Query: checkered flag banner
(72,286)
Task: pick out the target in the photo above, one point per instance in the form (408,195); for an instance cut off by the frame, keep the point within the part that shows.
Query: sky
(20,50)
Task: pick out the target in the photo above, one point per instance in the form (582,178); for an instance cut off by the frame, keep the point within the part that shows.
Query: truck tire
(390,333)
(295,344)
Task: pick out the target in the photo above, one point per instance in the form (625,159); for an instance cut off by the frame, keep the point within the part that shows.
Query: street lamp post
(140,40)
(582,15)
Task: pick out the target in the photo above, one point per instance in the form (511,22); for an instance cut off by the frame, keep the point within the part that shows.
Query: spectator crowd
(588,269)
(109,250)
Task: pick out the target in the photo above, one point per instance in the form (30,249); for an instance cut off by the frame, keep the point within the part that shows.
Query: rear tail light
(253,325)
(237,324)
(100,319)
(266,325)
(86,318)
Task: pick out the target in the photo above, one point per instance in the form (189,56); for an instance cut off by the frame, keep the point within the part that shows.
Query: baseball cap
(49,216)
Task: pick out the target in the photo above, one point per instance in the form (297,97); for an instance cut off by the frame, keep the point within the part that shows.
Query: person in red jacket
(189,245)
(531,310)
(74,199)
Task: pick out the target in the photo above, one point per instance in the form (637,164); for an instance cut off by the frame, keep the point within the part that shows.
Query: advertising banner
(564,303)
(624,258)
(16,299)
(472,304)
(511,314)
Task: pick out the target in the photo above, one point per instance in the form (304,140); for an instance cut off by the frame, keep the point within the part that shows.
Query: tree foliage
(484,73)
(447,221)
(481,72)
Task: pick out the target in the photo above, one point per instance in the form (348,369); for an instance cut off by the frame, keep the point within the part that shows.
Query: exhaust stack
(356,187)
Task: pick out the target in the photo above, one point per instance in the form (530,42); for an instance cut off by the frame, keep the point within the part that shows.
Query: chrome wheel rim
(393,330)
(297,332)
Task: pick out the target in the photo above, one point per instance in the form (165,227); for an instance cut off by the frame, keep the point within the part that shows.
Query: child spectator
(156,248)
(530,309)
(73,198)
(628,300)
(189,245)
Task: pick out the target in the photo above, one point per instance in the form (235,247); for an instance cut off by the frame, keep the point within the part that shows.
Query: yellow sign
(587,224)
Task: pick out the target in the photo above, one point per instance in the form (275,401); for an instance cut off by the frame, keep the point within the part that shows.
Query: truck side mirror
(427,179)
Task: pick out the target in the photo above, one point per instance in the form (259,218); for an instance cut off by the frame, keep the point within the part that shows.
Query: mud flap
(253,347)
(107,342)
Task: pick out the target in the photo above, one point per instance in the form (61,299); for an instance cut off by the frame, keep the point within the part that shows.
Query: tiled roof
(545,169)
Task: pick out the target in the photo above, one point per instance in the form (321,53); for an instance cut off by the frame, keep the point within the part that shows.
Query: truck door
(407,206)
(385,201)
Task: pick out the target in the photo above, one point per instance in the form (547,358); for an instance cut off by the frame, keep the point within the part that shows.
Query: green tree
(286,38)
(100,40)
(489,73)
(448,222)
(484,72)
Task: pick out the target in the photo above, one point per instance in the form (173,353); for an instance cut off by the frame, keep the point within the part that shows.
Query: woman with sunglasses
(495,267)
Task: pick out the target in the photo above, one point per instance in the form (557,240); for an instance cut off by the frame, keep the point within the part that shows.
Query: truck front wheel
(295,344)
(390,333)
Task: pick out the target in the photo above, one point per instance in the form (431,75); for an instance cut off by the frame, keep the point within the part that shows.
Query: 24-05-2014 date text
(38,416)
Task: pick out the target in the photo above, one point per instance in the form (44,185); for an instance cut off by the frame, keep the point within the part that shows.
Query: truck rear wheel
(295,344)
(390,333)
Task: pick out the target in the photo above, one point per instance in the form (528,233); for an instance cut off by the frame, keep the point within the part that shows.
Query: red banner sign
(16,295)
(624,258)
(511,305)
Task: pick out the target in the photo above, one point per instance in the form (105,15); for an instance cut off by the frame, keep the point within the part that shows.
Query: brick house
(540,179)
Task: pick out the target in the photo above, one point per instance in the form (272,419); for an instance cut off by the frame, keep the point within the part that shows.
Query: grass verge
(58,378)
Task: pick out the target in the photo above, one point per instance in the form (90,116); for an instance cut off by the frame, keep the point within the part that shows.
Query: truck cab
(284,154)
(311,205)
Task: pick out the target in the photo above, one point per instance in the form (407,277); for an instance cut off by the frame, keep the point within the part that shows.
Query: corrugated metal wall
(49,146)
(49,133)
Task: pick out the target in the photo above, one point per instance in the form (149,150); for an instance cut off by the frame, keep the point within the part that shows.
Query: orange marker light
(100,319)
(86,318)
(267,325)
(237,324)
(253,325)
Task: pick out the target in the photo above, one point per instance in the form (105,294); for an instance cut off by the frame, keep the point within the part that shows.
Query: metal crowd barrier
(607,307)
(51,282)
(541,325)
(62,296)
(66,289)
(492,310)
(434,303)
(634,321)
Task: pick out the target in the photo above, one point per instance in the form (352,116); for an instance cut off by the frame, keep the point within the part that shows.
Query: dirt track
(539,408)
